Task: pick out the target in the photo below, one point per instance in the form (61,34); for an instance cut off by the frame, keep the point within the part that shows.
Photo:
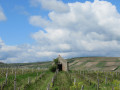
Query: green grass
(21,80)
(70,60)
(65,80)
(62,81)
(41,83)
(81,66)
(101,64)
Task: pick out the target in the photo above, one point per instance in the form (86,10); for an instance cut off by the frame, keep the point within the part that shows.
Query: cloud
(87,29)
(21,10)
(54,5)
(38,21)
(1,43)
(2,16)
(23,53)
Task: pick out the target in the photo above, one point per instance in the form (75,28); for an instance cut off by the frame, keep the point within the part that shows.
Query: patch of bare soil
(110,59)
(110,63)
(118,63)
(110,68)
(90,64)
(96,68)
(79,63)
(73,62)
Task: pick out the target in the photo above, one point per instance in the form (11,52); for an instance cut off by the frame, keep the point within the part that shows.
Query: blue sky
(36,26)
(16,29)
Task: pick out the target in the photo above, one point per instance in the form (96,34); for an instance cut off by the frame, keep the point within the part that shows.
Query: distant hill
(79,63)
(95,63)
(28,65)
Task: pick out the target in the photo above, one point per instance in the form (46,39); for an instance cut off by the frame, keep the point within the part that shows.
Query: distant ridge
(94,57)
(95,63)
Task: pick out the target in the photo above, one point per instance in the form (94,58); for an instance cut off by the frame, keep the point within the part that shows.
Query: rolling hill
(95,63)
(78,63)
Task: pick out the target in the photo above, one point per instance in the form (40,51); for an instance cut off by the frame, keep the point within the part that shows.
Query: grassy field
(71,80)
(62,81)
(43,65)
(78,63)
(90,73)
(95,63)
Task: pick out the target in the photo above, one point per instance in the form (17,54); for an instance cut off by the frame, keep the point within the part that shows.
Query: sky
(40,30)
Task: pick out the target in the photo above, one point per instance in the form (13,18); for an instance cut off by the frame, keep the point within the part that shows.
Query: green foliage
(56,88)
(46,64)
(53,68)
(21,78)
(41,83)
(70,60)
(63,80)
(101,64)
(56,61)
(77,85)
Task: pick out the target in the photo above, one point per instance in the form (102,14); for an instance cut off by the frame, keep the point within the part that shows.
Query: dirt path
(62,82)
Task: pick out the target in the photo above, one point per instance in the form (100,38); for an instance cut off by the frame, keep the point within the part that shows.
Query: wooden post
(18,88)
(48,88)
(28,80)
(7,70)
(74,81)
(98,84)
(112,88)
(15,84)
(52,81)
(15,81)
(37,76)
(82,88)
(6,78)
(15,75)
(106,80)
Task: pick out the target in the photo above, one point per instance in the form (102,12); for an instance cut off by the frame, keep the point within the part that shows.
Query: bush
(56,61)
(53,68)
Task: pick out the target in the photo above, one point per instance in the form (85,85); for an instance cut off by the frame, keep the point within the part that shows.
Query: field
(84,74)
(95,63)
(34,79)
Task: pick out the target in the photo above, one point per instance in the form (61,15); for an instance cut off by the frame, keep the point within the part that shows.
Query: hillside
(42,79)
(43,65)
(79,63)
(95,63)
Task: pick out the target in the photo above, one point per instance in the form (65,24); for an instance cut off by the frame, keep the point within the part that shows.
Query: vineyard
(37,79)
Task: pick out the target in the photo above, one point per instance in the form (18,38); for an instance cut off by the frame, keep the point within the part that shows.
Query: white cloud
(87,29)
(54,5)
(38,21)
(21,10)
(2,16)
(1,43)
